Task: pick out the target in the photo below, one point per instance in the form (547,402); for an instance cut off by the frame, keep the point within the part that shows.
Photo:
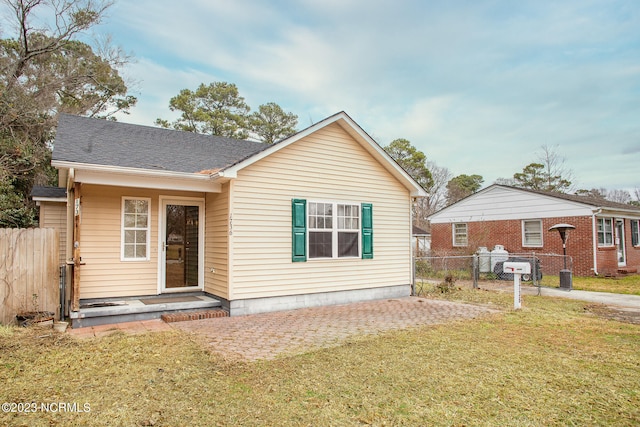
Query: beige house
(160,219)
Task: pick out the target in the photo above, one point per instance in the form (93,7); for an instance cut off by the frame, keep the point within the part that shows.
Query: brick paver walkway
(268,335)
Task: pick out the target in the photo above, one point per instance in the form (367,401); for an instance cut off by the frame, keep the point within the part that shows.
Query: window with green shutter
(299,230)
(331,230)
(635,232)
(367,231)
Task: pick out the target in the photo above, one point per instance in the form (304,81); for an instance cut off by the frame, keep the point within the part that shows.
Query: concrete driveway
(269,335)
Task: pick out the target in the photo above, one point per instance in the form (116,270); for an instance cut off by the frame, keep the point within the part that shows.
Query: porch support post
(75,288)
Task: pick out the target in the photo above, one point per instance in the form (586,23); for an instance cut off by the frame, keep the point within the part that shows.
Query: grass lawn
(552,363)
(629,285)
(617,285)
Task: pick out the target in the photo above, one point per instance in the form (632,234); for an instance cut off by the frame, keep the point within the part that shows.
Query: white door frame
(621,247)
(162,238)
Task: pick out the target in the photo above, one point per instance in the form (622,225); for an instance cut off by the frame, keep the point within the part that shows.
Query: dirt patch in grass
(627,315)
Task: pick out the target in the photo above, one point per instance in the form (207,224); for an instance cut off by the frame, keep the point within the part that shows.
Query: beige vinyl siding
(104,274)
(217,243)
(330,166)
(54,215)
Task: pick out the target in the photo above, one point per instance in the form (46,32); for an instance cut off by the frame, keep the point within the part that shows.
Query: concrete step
(109,310)
(194,315)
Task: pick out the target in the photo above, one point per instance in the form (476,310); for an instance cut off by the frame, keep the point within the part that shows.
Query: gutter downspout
(595,240)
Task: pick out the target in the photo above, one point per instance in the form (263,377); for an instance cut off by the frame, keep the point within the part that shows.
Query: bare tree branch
(71,18)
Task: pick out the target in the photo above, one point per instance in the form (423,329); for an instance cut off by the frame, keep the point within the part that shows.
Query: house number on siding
(230,224)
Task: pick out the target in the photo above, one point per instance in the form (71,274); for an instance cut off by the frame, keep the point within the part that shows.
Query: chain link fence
(442,271)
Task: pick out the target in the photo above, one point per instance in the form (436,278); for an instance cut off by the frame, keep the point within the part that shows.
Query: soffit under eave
(618,213)
(149,180)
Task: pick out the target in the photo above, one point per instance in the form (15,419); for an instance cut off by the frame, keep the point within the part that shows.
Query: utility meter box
(516,267)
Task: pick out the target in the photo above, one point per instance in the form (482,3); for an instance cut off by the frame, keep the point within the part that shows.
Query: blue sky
(478,86)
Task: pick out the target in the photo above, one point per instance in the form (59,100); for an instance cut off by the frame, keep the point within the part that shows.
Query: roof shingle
(48,192)
(107,143)
(591,201)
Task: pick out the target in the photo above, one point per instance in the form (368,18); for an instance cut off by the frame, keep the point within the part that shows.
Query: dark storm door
(182,245)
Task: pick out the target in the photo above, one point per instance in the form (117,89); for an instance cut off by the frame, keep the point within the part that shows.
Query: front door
(622,260)
(182,246)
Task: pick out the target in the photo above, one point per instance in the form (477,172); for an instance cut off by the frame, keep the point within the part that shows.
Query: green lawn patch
(618,285)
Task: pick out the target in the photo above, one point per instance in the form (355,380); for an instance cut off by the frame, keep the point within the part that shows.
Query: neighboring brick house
(606,240)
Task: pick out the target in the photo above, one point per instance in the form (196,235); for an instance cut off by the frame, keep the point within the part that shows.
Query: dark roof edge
(45,192)
(589,201)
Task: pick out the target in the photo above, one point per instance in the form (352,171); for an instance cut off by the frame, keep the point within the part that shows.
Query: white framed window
(136,229)
(605,231)
(460,234)
(334,230)
(532,233)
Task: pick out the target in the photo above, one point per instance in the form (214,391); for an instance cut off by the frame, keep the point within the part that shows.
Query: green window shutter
(634,232)
(367,231)
(299,230)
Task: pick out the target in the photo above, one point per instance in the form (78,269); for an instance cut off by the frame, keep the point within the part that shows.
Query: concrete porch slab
(109,310)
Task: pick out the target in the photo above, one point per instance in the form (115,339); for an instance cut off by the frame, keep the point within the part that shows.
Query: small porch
(102,311)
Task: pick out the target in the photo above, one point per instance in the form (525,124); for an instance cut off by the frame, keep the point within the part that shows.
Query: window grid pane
(141,221)
(605,232)
(350,220)
(533,233)
(135,228)
(320,216)
(320,244)
(460,235)
(129,251)
(141,251)
(347,244)
(334,230)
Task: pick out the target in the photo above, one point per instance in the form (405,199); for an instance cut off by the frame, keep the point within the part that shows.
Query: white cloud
(478,86)
(155,86)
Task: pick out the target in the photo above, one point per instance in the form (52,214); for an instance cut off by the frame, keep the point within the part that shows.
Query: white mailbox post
(517,269)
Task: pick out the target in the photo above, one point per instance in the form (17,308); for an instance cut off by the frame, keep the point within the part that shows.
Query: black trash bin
(566,281)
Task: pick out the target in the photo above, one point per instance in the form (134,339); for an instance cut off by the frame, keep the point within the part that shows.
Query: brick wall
(509,234)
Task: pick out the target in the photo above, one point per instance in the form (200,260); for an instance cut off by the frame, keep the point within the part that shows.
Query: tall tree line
(218,109)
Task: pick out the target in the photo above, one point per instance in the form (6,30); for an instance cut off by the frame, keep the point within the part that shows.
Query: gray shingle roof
(48,192)
(419,231)
(108,143)
(591,201)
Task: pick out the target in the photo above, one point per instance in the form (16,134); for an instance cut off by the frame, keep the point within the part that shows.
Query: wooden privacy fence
(29,272)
